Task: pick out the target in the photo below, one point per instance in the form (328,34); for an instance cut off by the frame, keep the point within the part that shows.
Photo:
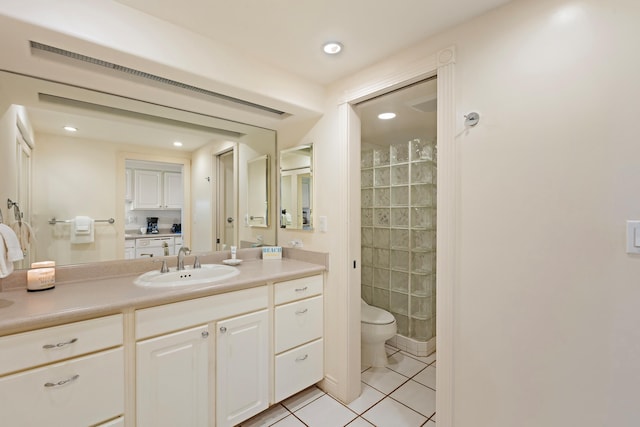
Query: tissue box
(272,252)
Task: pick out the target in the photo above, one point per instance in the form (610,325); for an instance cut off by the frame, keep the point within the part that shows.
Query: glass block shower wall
(399,234)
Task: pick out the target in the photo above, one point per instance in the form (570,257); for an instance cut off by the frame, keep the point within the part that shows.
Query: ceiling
(289,33)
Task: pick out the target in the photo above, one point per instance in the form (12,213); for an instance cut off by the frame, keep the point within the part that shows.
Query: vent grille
(220,98)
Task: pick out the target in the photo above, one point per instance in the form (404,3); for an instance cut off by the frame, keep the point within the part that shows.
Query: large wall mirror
(121,163)
(296,188)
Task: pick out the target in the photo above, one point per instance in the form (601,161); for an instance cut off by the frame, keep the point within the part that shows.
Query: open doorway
(226,200)
(398,205)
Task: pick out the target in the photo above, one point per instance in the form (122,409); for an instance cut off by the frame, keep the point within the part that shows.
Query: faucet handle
(164,268)
(196,263)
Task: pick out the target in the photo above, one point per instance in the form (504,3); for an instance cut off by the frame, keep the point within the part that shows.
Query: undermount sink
(208,273)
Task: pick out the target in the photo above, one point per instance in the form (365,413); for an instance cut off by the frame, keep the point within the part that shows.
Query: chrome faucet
(181,253)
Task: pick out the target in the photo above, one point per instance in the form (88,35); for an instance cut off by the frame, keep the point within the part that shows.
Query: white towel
(82,230)
(10,250)
(25,234)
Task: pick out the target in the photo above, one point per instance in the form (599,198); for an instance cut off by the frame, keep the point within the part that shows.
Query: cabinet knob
(205,334)
(302,311)
(223,329)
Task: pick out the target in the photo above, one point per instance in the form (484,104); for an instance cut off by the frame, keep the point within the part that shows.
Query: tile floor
(400,395)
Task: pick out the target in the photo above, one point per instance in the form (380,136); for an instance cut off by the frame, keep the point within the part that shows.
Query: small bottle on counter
(41,276)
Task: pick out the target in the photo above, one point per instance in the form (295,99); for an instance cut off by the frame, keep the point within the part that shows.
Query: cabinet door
(172,379)
(173,190)
(242,368)
(148,189)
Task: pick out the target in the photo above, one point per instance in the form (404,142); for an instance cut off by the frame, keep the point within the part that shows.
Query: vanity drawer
(297,323)
(79,392)
(296,289)
(298,368)
(42,346)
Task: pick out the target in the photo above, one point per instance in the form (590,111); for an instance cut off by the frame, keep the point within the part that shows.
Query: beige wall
(545,307)
(75,176)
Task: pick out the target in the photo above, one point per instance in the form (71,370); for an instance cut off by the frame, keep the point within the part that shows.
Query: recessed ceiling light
(177,144)
(332,48)
(386,116)
(70,129)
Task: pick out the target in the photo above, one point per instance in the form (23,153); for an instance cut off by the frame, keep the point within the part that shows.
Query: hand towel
(10,250)
(25,234)
(82,230)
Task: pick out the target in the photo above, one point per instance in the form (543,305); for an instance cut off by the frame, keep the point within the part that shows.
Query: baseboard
(411,346)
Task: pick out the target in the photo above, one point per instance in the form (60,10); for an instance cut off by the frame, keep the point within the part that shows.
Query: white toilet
(377,326)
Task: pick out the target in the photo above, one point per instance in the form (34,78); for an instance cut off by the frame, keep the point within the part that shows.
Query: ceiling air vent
(218,98)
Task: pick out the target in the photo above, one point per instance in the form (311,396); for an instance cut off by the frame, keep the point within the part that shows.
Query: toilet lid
(375,315)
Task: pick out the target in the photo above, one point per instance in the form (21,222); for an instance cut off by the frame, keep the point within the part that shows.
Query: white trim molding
(441,64)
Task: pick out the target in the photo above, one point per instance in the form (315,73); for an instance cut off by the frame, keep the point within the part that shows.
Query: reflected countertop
(133,236)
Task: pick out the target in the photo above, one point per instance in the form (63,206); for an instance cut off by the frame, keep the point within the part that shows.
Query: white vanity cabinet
(175,338)
(72,375)
(298,335)
(171,381)
(242,367)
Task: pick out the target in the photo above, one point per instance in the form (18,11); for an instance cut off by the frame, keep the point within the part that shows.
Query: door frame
(219,214)
(442,65)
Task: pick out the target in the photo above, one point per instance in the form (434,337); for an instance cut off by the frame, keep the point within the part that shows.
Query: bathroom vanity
(109,353)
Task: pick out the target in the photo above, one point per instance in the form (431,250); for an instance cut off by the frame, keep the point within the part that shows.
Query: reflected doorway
(226,224)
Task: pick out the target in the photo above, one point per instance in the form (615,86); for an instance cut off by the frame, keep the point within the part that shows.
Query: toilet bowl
(377,326)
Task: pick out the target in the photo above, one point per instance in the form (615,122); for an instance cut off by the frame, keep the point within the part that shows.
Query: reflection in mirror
(54,173)
(296,188)
(258,197)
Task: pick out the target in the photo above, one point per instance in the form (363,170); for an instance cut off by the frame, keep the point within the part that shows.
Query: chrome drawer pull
(302,289)
(302,311)
(62,382)
(59,345)
(300,359)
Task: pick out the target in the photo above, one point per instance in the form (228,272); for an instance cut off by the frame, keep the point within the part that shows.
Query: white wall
(545,307)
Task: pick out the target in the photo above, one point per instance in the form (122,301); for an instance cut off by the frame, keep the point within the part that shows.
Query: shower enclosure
(398,185)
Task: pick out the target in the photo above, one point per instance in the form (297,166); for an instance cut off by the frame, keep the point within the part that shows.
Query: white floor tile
(390,413)
(303,398)
(427,377)
(325,412)
(383,379)
(417,397)
(368,397)
(360,422)
(405,365)
(290,421)
(267,418)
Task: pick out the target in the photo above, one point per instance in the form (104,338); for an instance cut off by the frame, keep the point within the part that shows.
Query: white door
(226,224)
(242,371)
(172,379)
(23,162)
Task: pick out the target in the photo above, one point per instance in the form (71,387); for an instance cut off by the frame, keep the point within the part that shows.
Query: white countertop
(21,310)
(145,236)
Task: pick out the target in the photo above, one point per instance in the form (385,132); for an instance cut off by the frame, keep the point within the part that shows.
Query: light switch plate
(322,224)
(633,237)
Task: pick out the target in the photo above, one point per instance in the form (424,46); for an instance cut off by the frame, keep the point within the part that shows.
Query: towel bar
(53,221)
